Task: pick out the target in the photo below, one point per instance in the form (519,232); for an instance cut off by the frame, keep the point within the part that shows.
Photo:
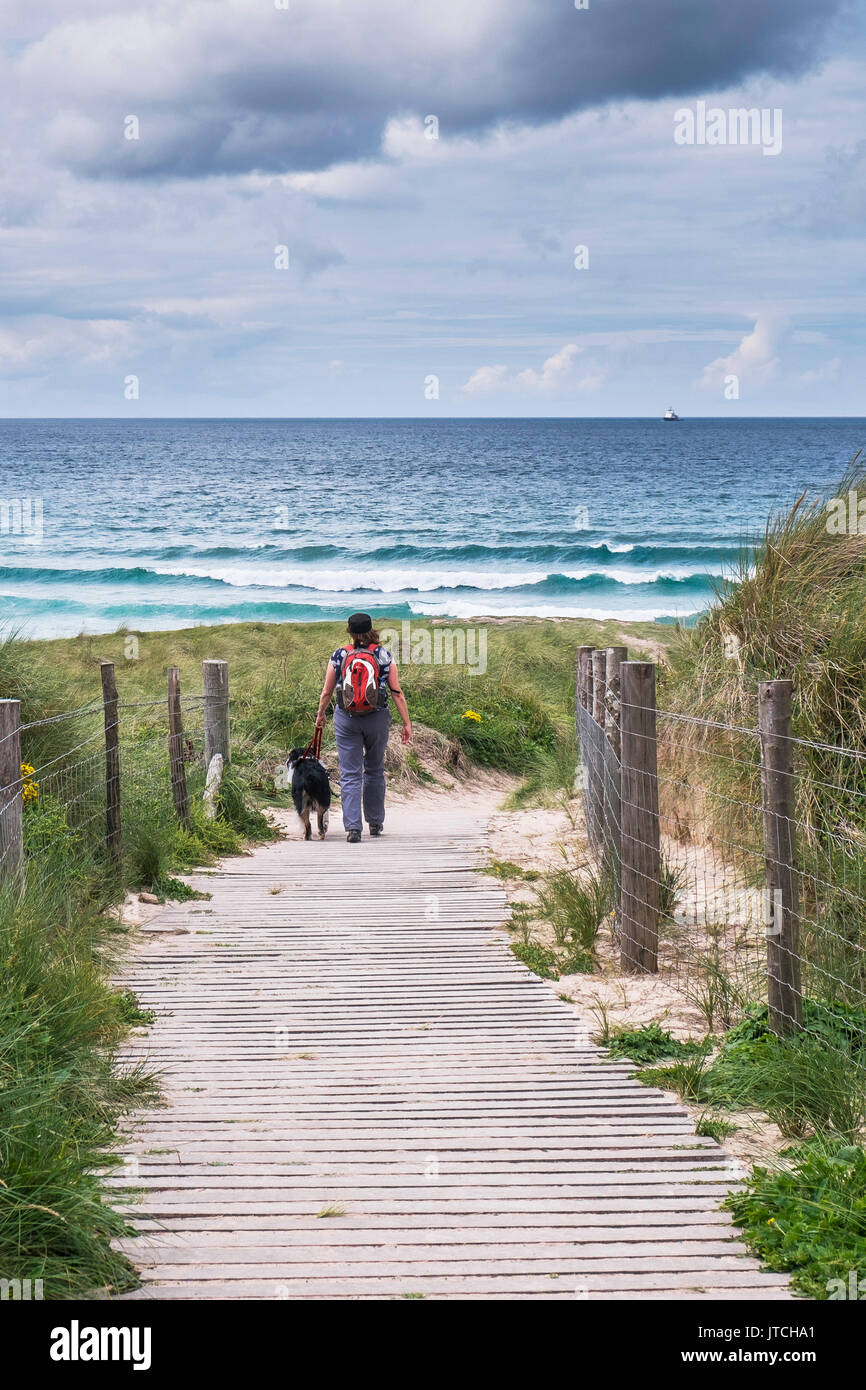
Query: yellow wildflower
(470,714)
(29,786)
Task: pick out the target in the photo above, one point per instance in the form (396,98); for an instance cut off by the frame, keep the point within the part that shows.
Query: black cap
(360,623)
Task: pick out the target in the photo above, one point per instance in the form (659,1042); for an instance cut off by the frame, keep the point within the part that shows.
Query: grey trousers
(361,743)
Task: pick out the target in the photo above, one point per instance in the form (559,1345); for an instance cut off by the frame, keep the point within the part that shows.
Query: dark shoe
(376,829)
(354,837)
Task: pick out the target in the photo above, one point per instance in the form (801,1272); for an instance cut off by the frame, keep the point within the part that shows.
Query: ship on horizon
(670,414)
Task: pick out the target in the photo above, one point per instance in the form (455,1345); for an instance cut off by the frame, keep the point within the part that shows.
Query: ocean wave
(415,580)
(555,584)
(310,579)
(549,551)
(113,574)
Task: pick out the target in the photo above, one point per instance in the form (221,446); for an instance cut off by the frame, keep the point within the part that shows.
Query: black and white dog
(311,790)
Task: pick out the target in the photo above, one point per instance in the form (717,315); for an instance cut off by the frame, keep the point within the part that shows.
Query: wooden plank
(454,1286)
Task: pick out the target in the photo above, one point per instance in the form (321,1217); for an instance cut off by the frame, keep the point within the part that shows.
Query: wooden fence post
(598,777)
(615,656)
(215,676)
(599,667)
(777,782)
(11,802)
(641,853)
(175,748)
(577,692)
(584,675)
(112,759)
(584,702)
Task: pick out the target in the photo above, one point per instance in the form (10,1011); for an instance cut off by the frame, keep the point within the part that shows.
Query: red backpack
(359,680)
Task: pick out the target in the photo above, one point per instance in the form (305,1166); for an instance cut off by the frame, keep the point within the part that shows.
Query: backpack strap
(352,651)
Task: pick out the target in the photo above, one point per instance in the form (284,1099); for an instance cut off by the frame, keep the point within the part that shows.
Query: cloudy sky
(238,204)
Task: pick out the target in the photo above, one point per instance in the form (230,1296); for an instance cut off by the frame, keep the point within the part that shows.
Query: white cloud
(486,379)
(829,372)
(754,361)
(46,342)
(553,373)
(556,374)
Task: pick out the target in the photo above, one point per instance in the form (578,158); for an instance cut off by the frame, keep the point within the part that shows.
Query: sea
(154,524)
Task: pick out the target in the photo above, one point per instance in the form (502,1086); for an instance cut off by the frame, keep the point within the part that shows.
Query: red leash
(314,747)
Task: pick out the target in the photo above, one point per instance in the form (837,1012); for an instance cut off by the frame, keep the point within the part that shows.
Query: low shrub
(651,1043)
(809,1218)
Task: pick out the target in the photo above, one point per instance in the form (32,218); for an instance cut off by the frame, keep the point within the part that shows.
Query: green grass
(710,1127)
(687,1077)
(809,1218)
(575,902)
(504,870)
(796,610)
(538,958)
(573,905)
(650,1043)
(801,1083)
(809,1084)
(60,1095)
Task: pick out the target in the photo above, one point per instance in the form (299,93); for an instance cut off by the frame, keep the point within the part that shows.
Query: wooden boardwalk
(342,1029)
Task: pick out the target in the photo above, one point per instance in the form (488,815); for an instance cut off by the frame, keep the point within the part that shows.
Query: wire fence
(738,854)
(71,785)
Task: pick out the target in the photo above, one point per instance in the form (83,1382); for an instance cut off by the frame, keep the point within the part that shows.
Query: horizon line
(426,419)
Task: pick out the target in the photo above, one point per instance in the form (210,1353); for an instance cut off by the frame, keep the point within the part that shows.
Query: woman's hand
(325,697)
(406,732)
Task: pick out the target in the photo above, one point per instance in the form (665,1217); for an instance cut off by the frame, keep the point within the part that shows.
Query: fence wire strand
(58,803)
(725,930)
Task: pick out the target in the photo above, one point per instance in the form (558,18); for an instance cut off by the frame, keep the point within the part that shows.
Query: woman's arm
(400,702)
(325,697)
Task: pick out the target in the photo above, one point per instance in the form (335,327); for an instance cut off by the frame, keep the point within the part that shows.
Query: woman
(363,673)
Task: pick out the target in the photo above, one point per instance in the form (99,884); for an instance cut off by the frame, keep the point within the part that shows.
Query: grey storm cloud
(244,86)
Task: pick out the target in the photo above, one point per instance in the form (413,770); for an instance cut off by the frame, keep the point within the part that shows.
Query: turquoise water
(169,523)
